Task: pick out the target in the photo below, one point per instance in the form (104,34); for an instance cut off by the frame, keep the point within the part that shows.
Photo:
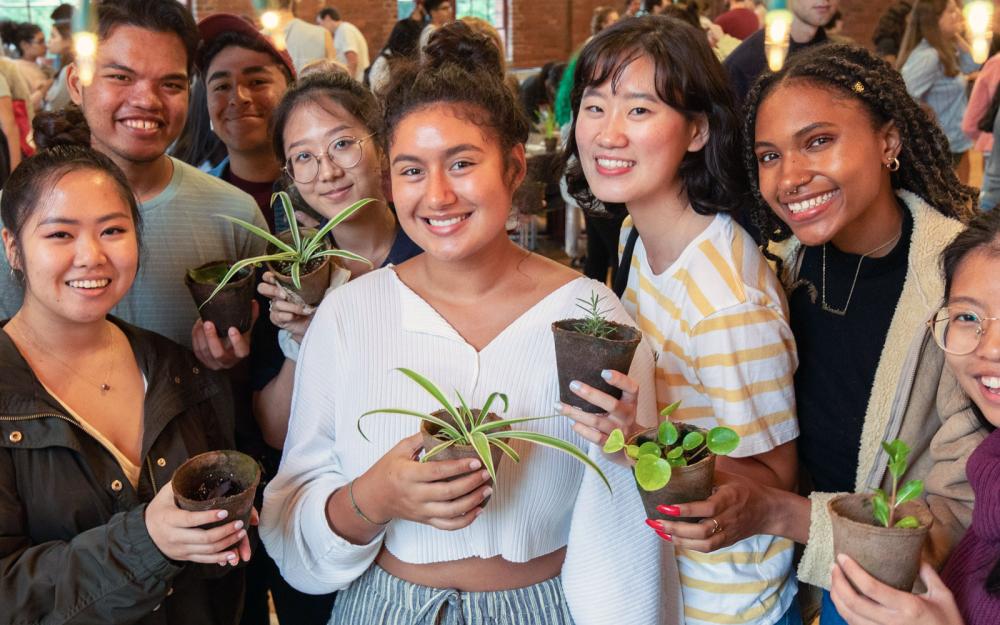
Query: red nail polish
(654,524)
(668,538)
(669,510)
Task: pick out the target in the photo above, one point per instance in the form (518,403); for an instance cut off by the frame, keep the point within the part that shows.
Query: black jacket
(73,541)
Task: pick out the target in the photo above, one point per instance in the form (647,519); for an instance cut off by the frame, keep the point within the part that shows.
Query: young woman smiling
(855,190)
(473,313)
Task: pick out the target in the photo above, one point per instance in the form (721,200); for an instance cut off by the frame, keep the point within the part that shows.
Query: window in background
(493,11)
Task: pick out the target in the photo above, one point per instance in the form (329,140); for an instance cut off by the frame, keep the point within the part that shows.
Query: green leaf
(632,451)
(466,413)
(504,447)
(880,507)
(340,254)
(436,450)
(235,269)
(669,410)
(652,472)
(482,445)
(317,239)
(293,224)
(908,522)
(485,410)
(692,440)
(722,441)
(667,433)
(262,233)
(297,274)
(896,449)
(909,491)
(675,452)
(680,461)
(493,425)
(615,442)
(649,448)
(446,428)
(561,445)
(434,391)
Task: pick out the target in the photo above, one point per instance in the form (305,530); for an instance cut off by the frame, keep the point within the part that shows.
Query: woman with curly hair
(854,190)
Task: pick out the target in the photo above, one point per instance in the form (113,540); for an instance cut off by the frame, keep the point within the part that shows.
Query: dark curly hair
(689,79)
(15,33)
(852,72)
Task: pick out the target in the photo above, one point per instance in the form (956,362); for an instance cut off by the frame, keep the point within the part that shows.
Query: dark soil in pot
(457,451)
(314,275)
(583,357)
(231,307)
(218,480)
(687,484)
(890,554)
(551,144)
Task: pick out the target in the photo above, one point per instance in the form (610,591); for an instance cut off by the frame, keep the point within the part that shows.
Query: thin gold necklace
(857,271)
(104,387)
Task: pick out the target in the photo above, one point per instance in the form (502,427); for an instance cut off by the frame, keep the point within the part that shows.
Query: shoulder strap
(621,276)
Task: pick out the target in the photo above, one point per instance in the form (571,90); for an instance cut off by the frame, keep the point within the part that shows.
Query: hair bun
(456,43)
(65,127)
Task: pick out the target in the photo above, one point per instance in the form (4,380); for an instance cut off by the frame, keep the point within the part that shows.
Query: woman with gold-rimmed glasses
(959,329)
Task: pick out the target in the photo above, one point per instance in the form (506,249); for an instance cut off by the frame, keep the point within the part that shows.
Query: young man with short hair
(305,42)
(352,49)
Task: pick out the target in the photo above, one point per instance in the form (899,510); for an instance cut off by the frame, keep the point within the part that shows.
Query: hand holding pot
(176,532)
(285,314)
(399,486)
(216,353)
(620,413)
(879,604)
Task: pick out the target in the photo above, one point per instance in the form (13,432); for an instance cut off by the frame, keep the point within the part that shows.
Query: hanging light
(84,43)
(777,31)
(270,19)
(979,23)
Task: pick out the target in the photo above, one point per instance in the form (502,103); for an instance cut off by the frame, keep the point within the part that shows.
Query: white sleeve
(293,524)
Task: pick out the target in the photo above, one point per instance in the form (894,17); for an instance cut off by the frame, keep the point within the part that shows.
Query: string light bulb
(777,32)
(84,43)
(979,26)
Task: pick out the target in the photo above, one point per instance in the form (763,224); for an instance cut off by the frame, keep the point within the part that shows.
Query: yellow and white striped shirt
(717,322)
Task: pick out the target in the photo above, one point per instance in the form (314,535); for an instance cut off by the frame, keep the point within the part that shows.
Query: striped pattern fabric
(717,322)
(378,597)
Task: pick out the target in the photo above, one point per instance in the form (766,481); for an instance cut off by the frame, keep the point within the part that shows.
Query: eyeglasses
(958,331)
(344,152)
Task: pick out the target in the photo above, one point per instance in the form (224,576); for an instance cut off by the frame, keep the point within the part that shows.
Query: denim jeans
(828,614)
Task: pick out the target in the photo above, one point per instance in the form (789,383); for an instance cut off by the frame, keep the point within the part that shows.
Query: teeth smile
(611,163)
(990,382)
(141,124)
(89,284)
(440,223)
(798,207)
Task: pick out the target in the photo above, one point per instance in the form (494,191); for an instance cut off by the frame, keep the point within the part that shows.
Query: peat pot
(457,451)
(687,484)
(232,306)
(583,357)
(314,276)
(223,480)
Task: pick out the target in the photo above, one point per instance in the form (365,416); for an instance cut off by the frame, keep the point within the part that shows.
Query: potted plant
(673,463)
(549,127)
(589,345)
(300,260)
(217,480)
(231,307)
(883,532)
(455,432)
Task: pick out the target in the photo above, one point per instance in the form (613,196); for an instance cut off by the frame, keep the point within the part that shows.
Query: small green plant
(655,459)
(594,324)
(883,506)
(471,427)
(547,123)
(301,251)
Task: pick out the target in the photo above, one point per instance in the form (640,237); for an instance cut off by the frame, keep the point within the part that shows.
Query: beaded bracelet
(357,510)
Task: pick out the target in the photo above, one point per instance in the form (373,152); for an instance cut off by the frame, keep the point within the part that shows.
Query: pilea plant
(884,506)
(656,459)
(464,426)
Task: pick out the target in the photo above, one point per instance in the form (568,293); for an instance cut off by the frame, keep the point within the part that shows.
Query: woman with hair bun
(473,313)
(96,414)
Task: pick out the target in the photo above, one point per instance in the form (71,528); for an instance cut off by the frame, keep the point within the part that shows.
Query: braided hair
(853,72)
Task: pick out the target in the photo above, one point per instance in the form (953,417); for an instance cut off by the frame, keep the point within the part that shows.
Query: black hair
(432,5)
(15,33)
(464,69)
(403,39)
(165,16)
(852,72)
(62,21)
(689,79)
(351,95)
(198,144)
(63,141)
(209,50)
(329,12)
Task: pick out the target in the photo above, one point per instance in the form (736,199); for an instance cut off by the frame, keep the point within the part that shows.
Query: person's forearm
(346,522)
(791,516)
(272,406)
(352,63)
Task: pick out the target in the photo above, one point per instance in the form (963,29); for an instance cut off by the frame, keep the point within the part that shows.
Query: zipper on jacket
(40,415)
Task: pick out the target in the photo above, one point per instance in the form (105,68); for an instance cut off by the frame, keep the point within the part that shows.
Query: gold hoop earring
(893,164)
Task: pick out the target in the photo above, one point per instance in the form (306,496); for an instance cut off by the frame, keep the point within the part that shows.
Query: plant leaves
(340,254)
(235,269)
(669,410)
(434,391)
(317,239)
(897,451)
(482,445)
(262,233)
(649,448)
(908,522)
(652,472)
(615,442)
(493,425)
(297,274)
(465,423)
(504,447)
(722,441)
(632,451)
(436,450)
(293,224)
(561,445)
(485,410)
(675,452)
(692,440)
(880,507)
(909,491)
(446,429)
(680,461)
(667,433)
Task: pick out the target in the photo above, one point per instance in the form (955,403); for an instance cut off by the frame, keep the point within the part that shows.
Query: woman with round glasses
(323,132)
(968,330)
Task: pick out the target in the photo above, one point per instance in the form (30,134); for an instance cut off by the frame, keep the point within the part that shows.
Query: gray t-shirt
(180,230)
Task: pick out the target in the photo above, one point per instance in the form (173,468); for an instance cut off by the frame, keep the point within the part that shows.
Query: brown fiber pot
(232,306)
(314,284)
(457,451)
(890,554)
(582,357)
(212,466)
(687,484)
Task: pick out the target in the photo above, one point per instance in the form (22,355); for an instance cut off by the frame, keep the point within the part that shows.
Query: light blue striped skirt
(378,598)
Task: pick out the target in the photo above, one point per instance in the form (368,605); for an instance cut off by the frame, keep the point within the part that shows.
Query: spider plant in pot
(300,260)
(674,463)
(455,432)
(549,127)
(231,306)
(884,532)
(589,345)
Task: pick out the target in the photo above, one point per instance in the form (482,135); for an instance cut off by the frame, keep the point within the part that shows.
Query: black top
(747,61)
(838,355)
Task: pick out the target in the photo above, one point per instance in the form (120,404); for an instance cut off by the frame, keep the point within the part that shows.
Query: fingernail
(243,534)
(654,524)
(223,514)
(841,559)
(669,510)
(574,385)
(487,493)
(558,406)
(666,537)
(606,374)
(475,464)
(485,475)
(238,525)
(231,556)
